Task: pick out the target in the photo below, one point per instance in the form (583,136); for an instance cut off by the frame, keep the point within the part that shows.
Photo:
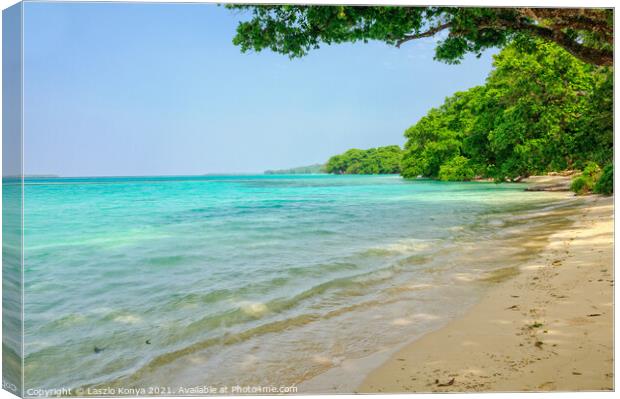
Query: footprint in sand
(549,385)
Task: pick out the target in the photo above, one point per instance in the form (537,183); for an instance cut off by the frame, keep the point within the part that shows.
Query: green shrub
(580,185)
(456,169)
(605,183)
(592,171)
(588,179)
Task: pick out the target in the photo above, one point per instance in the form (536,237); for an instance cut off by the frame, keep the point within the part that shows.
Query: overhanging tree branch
(294,30)
(428,33)
(586,54)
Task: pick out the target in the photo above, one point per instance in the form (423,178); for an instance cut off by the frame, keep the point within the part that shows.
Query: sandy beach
(550,328)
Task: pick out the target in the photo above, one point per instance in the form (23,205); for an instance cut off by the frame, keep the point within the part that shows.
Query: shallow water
(247,279)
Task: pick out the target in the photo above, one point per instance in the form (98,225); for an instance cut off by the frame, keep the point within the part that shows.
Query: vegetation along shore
(541,111)
(546,107)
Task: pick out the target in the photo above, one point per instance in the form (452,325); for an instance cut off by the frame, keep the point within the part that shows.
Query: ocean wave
(406,246)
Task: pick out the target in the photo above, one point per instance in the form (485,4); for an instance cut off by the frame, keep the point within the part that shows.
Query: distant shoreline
(300,170)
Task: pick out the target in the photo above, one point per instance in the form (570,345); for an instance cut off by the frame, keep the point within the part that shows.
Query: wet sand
(550,182)
(547,326)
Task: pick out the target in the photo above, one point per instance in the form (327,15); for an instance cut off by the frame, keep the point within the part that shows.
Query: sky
(159,89)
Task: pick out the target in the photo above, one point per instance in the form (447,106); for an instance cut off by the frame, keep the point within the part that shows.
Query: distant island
(300,170)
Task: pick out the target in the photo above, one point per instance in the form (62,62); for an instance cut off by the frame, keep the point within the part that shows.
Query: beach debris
(513,307)
(97,349)
(538,344)
(535,325)
(594,314)
(447,384)
(148,342)
(576,373)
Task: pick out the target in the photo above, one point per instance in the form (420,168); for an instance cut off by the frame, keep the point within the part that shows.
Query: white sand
(548,328)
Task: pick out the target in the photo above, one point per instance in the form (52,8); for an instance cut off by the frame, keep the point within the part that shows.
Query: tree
(438,136)
(538,102)
(542,110)
(294,30)
(456,169)
(380,160)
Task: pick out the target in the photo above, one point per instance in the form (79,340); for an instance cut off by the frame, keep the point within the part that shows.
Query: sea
(253,280)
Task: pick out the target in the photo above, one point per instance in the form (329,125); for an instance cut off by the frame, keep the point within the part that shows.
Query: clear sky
(159,89)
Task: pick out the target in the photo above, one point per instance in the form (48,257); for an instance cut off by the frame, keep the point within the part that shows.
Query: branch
(428,33)
(577,19)
(589,55)
(586,54)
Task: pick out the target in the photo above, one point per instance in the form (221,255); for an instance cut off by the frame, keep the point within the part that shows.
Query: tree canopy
(294,30)
(380,160)
(539,111)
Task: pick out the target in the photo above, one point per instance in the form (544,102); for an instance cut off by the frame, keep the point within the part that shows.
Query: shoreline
(549,328)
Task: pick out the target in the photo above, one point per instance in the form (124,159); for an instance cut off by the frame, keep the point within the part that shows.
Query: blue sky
(159,89)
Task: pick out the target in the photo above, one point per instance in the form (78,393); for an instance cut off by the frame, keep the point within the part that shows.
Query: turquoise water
(257,279)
